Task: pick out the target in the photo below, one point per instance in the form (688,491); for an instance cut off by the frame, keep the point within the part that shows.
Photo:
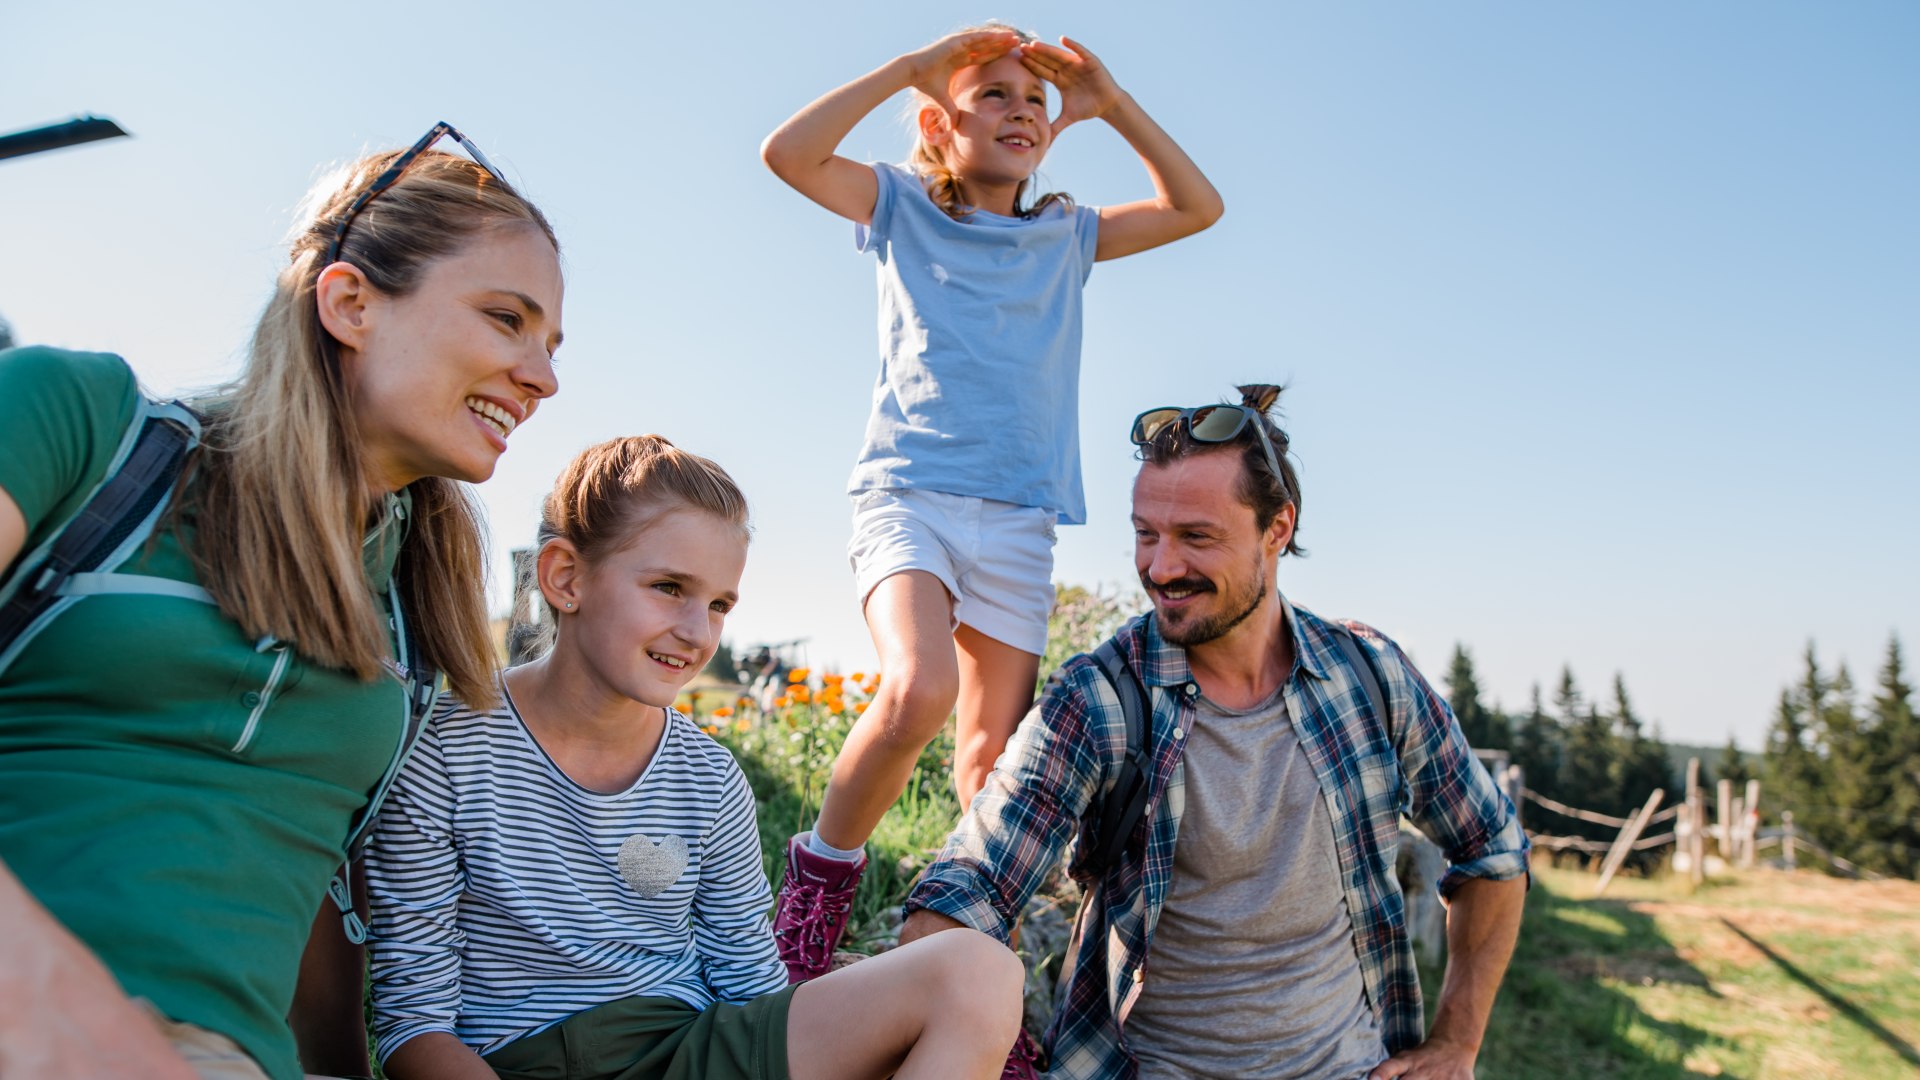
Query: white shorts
(995,558)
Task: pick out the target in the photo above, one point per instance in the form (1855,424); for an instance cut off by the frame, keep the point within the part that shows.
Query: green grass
(1762,975)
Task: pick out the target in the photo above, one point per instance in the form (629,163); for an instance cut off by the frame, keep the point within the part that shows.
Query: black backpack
(81,558)
(1116,813)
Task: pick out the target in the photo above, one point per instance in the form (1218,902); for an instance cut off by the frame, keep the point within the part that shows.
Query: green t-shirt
(176,796)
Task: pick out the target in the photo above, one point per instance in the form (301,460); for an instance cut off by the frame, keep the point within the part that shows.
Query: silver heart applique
(651,868)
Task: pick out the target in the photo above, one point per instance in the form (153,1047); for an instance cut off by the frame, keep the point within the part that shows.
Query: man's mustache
(1186,584)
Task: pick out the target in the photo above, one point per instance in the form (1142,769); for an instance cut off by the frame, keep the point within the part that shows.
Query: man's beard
(1202,630)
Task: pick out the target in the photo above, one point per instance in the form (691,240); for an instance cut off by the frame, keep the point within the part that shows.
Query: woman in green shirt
(178,776)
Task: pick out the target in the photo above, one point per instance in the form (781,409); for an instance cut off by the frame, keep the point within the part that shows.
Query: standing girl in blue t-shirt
(972,451)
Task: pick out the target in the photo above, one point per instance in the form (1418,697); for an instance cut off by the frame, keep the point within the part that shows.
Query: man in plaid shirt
(1274,930)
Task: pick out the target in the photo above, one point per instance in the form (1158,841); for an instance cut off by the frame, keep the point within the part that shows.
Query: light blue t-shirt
(979,388)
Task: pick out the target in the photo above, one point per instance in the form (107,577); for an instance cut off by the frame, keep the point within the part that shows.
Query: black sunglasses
(1207,424)
(388,178)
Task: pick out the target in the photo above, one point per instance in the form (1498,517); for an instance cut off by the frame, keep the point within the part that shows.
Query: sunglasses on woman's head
(1206,424)
(392,175)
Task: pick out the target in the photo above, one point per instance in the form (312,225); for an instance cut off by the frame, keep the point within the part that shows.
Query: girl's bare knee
(916,707)
(977,980)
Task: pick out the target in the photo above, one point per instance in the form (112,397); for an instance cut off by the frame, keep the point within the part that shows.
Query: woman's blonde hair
(944,186)
(611,491)
(282,500)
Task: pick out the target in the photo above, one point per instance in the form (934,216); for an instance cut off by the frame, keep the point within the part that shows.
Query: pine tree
(1795,773)
(1566,698)
(1850,798)
(1896,742)
(1484,728)
(1733,767)
(1640,762)
(1536,749)
(1586,765)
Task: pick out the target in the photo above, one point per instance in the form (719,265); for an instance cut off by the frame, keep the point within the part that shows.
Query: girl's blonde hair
(282,500)
(611,491)
(944,186)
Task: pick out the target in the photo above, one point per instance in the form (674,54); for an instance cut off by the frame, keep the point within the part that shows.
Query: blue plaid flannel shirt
(1065,751)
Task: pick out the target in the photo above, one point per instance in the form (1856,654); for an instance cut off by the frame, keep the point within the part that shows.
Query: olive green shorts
(656,1038)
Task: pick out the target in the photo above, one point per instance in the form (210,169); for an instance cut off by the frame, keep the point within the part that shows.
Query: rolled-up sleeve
(1027,813)
(1451,798)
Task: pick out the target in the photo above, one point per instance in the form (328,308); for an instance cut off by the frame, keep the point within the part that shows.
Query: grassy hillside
(1767,976)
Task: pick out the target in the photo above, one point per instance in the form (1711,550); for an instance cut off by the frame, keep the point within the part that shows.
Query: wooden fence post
(1786,841)
(1695,813)
(1750,825)
(1514,782)
(1618,854)
(1723,819)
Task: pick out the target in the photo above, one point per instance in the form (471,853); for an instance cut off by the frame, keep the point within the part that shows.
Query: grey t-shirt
(1252,971)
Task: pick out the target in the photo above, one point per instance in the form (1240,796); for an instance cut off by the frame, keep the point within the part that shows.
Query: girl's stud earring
(569,605)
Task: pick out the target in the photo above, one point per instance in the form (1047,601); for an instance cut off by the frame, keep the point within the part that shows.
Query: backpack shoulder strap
(1369,676)
(423,690)
(1119,808)
(116,518)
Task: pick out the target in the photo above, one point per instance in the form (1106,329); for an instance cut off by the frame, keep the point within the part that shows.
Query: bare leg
(910,616)
(996,687)
(943,1008)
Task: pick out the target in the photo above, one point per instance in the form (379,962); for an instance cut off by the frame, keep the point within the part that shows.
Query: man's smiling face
(1202,557)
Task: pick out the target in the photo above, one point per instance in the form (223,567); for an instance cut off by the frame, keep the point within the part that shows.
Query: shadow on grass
(1840,1005)
(1559,1015)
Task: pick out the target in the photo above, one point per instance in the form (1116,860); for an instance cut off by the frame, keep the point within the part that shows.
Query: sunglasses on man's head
(1206,424)
(392,175)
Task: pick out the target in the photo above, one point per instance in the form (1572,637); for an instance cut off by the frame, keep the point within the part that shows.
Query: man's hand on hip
(1435,1059)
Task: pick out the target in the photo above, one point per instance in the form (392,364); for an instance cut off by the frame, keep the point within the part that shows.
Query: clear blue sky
(1601,321)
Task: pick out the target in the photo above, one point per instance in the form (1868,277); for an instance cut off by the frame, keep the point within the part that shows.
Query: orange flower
(859,707)
(742,724)
(797,675)
(744,701)
(859,677)
(800,694)
(723,711)
(833,680)
(782,702)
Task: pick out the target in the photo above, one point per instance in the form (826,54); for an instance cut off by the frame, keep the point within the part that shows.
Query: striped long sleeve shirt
(506,897)
(1370,771)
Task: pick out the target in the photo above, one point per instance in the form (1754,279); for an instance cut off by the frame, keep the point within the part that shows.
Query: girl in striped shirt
(570,885)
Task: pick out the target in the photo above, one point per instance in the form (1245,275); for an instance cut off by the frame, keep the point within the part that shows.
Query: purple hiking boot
(1023,1063)
(815,897)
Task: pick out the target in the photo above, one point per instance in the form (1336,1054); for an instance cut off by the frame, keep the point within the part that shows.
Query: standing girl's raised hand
(934,67)
(1087,89)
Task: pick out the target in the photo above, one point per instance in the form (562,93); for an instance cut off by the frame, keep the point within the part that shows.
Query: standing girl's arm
(801,151)
(1183,203)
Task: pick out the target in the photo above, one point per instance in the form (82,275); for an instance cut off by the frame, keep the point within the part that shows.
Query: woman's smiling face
(439,378)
